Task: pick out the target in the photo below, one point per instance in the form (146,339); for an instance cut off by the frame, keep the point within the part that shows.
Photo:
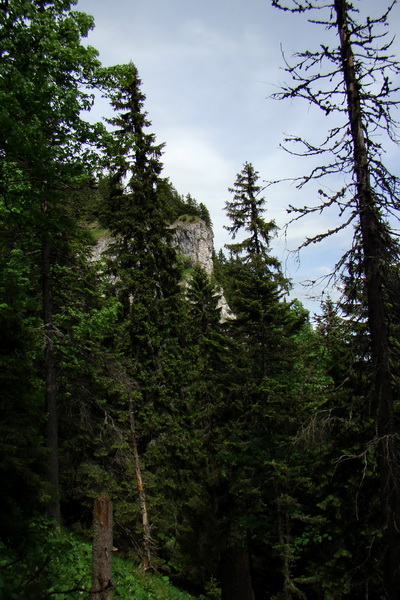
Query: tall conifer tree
(143,263)
(144,260)
(44,151)
(255,276)
(264,407)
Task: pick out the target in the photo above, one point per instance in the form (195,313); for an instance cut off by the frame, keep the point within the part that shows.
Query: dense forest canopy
(247,457)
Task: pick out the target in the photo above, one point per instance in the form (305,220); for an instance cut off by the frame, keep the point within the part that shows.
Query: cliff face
(192,238)
(195,240)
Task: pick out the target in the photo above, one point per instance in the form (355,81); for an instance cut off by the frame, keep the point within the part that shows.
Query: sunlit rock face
(101,247)
(191,238)
(195,240)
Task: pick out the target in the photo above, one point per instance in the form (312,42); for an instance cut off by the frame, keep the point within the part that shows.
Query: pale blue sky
(208,68)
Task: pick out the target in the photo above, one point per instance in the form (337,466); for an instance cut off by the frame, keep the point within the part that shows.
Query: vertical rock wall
(192,238)
(195,240)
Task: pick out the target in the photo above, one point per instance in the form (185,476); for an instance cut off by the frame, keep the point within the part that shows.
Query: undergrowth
(53,565)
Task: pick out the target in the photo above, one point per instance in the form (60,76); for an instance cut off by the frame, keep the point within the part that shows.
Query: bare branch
(108,586)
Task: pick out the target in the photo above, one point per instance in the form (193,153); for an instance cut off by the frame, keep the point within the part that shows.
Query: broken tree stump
(102,549)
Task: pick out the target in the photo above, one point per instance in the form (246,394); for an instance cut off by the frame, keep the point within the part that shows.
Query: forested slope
(243,455)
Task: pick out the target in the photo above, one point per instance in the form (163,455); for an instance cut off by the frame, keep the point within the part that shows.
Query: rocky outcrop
(100,247)
(195,240)
(192,238)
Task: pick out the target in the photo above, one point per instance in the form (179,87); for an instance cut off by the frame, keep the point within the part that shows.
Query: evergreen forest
(248,457)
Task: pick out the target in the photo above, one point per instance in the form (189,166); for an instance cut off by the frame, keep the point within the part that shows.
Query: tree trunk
(53,506)
(283,523)
(102,549)
(235,575)
(373,245)
(146,562)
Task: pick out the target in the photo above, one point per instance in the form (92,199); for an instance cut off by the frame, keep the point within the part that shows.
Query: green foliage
(57,564)
(131,583)
(21,414)
(212,590)
(191,208)
(47,561)
(255,435)
(182,207)
(245,211)
(275,385)
(43,68)
(46,158)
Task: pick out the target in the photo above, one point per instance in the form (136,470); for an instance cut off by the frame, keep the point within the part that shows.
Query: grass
(189,219)
(97,232)
(57,566)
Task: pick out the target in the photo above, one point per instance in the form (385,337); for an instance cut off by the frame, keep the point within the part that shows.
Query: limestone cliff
(192,238)
(195,240)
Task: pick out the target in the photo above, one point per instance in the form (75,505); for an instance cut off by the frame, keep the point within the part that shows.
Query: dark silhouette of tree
(144,266)
(44,152)
(262,406)
(246,211)
(355,80)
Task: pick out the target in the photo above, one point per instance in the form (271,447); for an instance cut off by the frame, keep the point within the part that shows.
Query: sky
(208,70)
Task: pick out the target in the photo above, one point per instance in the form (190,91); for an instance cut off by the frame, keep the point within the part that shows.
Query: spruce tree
(45,78)
(245,211)
(188,476)
(145,274)
(136,214)
(256,282)
(254,287)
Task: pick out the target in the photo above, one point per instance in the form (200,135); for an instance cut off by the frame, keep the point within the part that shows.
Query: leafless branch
(78,588)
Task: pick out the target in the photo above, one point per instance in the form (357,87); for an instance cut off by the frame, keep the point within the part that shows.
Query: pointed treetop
(246,211)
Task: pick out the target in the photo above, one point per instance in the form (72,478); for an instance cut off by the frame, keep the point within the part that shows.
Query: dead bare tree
(146,529)
(355,80)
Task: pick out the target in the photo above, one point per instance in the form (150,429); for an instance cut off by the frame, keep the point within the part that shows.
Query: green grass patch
(97,232)
(58,565)
(189,218)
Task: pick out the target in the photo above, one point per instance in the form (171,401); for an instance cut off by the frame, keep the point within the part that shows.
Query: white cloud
(192,158)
